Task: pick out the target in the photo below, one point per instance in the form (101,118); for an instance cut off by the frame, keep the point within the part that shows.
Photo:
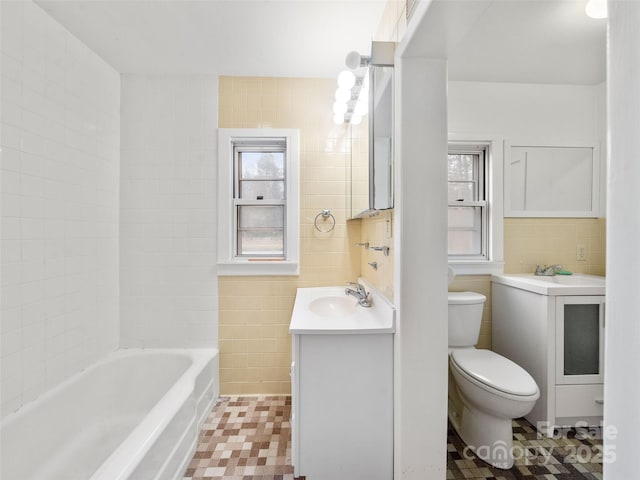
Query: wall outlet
(581,253)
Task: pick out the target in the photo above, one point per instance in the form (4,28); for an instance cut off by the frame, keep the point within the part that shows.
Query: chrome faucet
(547,271)
(359,292)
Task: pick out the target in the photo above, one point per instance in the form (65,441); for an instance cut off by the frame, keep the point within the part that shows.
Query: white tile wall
(60,173)
(168,212)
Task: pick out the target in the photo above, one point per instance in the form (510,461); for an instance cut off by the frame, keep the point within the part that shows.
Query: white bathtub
(134,415)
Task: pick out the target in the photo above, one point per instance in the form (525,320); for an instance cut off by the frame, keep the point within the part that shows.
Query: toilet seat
(494,372)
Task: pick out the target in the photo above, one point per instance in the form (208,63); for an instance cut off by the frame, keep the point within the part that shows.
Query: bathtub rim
(109,357)
(145,433)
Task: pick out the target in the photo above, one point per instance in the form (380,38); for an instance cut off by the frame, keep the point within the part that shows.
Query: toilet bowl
(486,390)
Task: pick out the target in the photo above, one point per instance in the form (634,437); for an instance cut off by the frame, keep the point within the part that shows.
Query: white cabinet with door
(551,180)
(579,357)
(559,339)
(342,406)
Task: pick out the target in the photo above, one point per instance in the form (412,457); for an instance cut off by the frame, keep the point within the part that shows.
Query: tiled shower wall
(254,313)
(60,167)
(168,212)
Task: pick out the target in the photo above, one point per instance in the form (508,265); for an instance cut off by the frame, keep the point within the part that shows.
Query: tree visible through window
(260,199)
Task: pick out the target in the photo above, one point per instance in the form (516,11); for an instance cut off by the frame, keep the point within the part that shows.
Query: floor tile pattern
(245,438)
(569,455)
(249,438)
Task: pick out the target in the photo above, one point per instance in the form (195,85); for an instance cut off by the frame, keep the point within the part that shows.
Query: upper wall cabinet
(551,180)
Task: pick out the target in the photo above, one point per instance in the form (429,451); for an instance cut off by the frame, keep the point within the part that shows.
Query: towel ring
(325,214)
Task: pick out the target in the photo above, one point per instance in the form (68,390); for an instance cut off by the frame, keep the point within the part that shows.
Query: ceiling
(532,41)
(301,38)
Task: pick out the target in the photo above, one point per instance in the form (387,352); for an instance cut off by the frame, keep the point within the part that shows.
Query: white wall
(168,212)
(532,111)
(420,343)
(622,356)
(60,169)
(517,110)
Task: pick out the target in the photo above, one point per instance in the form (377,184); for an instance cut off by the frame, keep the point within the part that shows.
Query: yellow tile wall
(552,241)
(378,231)
(254,312)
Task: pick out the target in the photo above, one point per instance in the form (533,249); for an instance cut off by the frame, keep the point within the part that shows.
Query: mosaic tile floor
(249,438)
(570,455)
(245,438)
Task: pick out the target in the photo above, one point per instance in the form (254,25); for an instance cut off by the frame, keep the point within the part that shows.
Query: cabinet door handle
(599,401)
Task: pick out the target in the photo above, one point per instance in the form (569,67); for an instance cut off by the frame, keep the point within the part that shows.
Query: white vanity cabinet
(341,386)
(342,406)
(555,331)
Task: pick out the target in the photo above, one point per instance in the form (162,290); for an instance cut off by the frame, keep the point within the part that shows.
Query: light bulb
(352,61)
(339,108)
(596,8)
(361,108)
(338,119)
(356,119)
(342,95)
(346,80)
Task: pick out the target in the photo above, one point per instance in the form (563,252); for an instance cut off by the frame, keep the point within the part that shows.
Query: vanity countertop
(328,310)
(577,284)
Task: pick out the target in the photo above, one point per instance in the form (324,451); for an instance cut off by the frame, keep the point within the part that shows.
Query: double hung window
(258,202)
(259,198)
(467,202)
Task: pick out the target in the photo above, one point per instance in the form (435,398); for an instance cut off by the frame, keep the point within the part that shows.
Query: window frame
(492,260)
(230,141)
(263,145)
(480,194)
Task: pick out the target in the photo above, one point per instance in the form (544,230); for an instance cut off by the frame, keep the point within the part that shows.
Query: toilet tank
(465,317)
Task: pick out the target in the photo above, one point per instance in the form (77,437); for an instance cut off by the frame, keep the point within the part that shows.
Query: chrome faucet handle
(363,244)
(383,249)
(539,270)
(359,288)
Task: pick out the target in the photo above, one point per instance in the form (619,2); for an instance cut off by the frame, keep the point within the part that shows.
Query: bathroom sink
(328,310)
(332,306)
(577,284)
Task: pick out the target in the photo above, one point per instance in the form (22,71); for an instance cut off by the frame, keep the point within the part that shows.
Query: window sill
(477,267)
(257,268)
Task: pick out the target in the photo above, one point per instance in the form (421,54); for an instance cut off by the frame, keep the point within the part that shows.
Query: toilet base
(489,437)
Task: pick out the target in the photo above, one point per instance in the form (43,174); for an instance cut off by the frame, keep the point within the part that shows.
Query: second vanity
(342,385)
(554,328)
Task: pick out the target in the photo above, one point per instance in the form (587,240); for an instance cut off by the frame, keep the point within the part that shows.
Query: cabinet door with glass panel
(467,201)
(580,340)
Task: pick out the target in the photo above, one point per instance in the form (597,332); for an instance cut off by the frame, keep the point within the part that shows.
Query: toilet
(486,391)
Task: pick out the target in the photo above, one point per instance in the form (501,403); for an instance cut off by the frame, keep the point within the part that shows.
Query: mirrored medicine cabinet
(371,169)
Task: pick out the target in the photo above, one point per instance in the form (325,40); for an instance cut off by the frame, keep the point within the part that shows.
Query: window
(258,202)
(467,202)
(474,171)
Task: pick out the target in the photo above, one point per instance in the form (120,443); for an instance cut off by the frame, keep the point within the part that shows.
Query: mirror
(372,148)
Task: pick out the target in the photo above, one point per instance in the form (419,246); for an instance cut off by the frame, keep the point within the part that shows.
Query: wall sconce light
(352,94)
(596,8)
